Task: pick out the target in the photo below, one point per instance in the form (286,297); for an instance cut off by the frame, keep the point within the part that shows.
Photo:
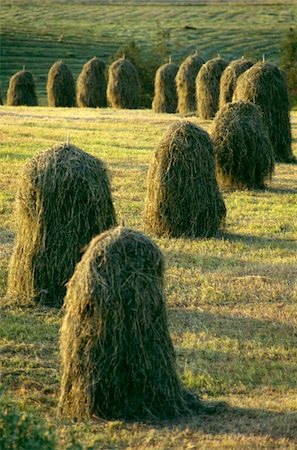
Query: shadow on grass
(260,241)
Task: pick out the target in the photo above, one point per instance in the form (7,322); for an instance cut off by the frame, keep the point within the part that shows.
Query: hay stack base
(21,90)
(118,360)
(183,198)
(229,78)
(265,85)
(63,200)
(186,83)
(244,155)
(165,94)
(60,86)
(123,85)
(91,85)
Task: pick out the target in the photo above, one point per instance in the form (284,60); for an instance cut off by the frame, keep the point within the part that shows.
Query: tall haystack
(118,360)
(183,198)
(265,85)
(208,87)
(60,86)
(186,83)
(244,155)
(123,85)
(63,200)
(91,85)
(165,94)
(21,90)
(229,78)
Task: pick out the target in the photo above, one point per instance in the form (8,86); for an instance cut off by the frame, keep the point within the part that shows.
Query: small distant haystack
(244,155)
(165,94)
(265,85)
(208,87)
(186,83)
(63,200)
(91,85)
(229,78)
(183,198)
(21,90)
(118,360)
(60,86)
(123,85)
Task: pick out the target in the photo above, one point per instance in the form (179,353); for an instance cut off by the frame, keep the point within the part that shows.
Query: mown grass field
(36,33)
(232,300)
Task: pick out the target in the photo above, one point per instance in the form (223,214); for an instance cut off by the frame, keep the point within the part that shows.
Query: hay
(63,200)
(165,94)
(244,155)
(91,85)
(117,355)
(21,90)
(123,85)
(183,198)
(60,86)
(265,85)
(186,83)
(208,87)
(229,78)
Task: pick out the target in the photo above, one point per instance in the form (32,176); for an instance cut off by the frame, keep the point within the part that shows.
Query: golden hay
(229,78)
(63,200)
(117,355)
(186,83)
(165,95)
(244,155)
(123,85)
(208,87)
(183,198)
(91,85)
(265,85)
(60,86)
(21,90)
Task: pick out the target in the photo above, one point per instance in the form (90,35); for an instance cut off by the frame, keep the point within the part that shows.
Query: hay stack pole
(63,200)
(21,89)
(60,86)
(265,85)
(91,85)
(123,85)
(229,78)
(118,361)
(165,94)
(183,198)
(185,83)
(244,155)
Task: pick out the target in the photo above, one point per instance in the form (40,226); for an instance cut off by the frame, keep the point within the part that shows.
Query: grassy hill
(37,33)
(232,300)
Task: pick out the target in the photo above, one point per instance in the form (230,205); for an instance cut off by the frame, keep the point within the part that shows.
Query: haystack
(183,198)
(21,90)
(60,86)
(118,360)
(229,78)
(123,85)
(186,83)
(63,200)
(208,87)
(91,85)
(265,85)
(165,94)
(244,155)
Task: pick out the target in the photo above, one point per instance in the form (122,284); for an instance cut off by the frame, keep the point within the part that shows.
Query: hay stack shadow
(60,86)
(186,83)
(183,198)
(165,94)
(123,85)
(63,200)
(91,85)
(21,90)
(118,359)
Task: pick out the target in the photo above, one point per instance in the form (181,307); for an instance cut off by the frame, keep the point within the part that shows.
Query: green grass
(232,300)
(36,34)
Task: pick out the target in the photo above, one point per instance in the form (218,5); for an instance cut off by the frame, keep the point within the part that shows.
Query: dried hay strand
(183,198)
(186,83)
(244,155)
(229,78)
(91,85)
(165,94)
(63,200)
(123,85)
(60,86)
(118,359)
(265,85)
(208,87)
(21,90)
